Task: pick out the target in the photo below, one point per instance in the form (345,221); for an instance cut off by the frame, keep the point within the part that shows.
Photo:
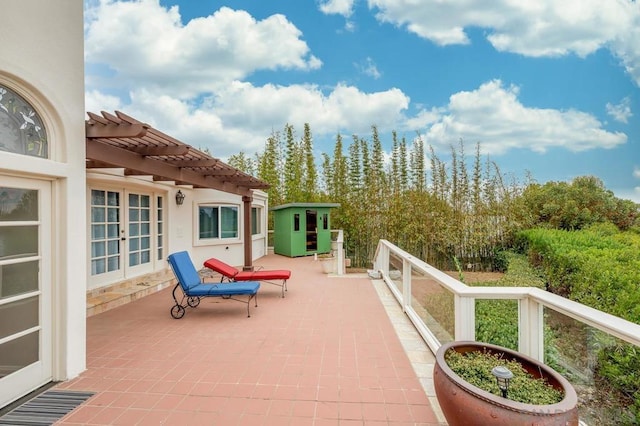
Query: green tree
(310,190)
(293,167)
(241,162)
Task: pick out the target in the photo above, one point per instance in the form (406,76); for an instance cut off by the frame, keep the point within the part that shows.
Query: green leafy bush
(475,367)
(599,267)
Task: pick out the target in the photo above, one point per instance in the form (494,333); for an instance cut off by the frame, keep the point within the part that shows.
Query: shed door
(25,287)
(312,230)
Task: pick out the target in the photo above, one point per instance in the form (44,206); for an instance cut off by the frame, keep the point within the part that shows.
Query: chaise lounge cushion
(221,267)
(224,289)
(234,274)
(274,274)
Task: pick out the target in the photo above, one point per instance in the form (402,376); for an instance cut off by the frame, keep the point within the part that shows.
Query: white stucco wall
(41,57)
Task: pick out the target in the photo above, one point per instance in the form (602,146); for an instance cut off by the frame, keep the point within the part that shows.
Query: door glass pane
(18,278)
(113,214)
(139,229)
(18,204)
(18,241)
(113,199)
(97,214)
(113,230)
(113,247)
(159,229)
(105,231)
(134,214)
(97,198)
(97,266)
(18,353)
(114,263)
(97,231)
(18,316)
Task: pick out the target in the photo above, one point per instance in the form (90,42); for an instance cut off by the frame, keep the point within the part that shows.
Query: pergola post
(248,241)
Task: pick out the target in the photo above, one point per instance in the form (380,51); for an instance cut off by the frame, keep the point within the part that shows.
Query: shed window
(21,129)
(218,222)
(325,221)
(296,222)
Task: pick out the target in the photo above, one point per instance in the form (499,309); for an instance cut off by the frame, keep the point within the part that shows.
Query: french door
(126,234)
(25,287)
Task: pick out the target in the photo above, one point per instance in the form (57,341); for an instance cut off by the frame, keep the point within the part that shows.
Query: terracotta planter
(465,404)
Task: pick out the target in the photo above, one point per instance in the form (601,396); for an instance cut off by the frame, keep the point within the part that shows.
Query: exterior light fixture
(179,197)
(503,376)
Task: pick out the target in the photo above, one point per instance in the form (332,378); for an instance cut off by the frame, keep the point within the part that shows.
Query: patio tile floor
(334,351)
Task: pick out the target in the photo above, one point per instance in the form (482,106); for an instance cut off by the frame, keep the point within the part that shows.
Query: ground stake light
(503,376)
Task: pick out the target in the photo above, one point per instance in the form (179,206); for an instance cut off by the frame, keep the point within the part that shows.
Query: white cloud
(493,116)
(369,67)
(620,112)
(338,7)
(95,101)
(147,44)
(636,172)
(244,115)
(531,28)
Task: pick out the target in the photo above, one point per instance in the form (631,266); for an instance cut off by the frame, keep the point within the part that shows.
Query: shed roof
(304,205)
(120,141)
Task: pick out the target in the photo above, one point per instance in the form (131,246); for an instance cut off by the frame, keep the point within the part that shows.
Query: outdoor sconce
(179,198)
(503,377)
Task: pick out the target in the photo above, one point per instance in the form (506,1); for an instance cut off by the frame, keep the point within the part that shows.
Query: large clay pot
(465,404)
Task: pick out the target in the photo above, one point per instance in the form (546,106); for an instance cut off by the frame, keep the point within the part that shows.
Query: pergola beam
(160,151)
(125,158)
(115,130)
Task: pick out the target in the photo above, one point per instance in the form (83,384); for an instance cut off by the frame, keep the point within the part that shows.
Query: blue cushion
(183,268)
(225,289)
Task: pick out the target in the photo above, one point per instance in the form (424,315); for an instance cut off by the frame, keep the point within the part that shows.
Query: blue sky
(546,87)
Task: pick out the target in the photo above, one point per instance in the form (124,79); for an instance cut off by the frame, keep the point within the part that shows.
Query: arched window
(21,129)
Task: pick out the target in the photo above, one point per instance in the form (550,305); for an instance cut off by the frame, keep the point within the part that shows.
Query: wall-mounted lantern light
(179,197)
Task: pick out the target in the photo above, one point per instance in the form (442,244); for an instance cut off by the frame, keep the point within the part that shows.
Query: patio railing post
(406,285)
(465,317)
(531,328)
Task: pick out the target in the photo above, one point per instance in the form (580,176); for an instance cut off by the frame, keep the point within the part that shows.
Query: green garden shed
(301,229)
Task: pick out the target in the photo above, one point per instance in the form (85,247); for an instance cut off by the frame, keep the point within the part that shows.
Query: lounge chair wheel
(177,311)
(193,301)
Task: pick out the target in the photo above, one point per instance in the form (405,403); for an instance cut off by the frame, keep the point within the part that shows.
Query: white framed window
(256,220)
(218,222)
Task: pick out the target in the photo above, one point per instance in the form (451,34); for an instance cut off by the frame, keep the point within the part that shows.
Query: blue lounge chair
(193,289)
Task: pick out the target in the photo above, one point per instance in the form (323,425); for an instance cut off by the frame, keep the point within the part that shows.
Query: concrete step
(120,293)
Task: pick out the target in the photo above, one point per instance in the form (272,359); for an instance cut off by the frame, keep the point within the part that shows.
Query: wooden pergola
(120,141)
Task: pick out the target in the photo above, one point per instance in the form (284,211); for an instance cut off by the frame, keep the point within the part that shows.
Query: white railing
(531,302)
(339,249)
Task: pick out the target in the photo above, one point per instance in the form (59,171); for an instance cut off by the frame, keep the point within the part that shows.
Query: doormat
(45,409)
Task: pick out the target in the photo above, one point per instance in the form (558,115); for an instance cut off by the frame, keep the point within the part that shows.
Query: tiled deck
(327,354)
